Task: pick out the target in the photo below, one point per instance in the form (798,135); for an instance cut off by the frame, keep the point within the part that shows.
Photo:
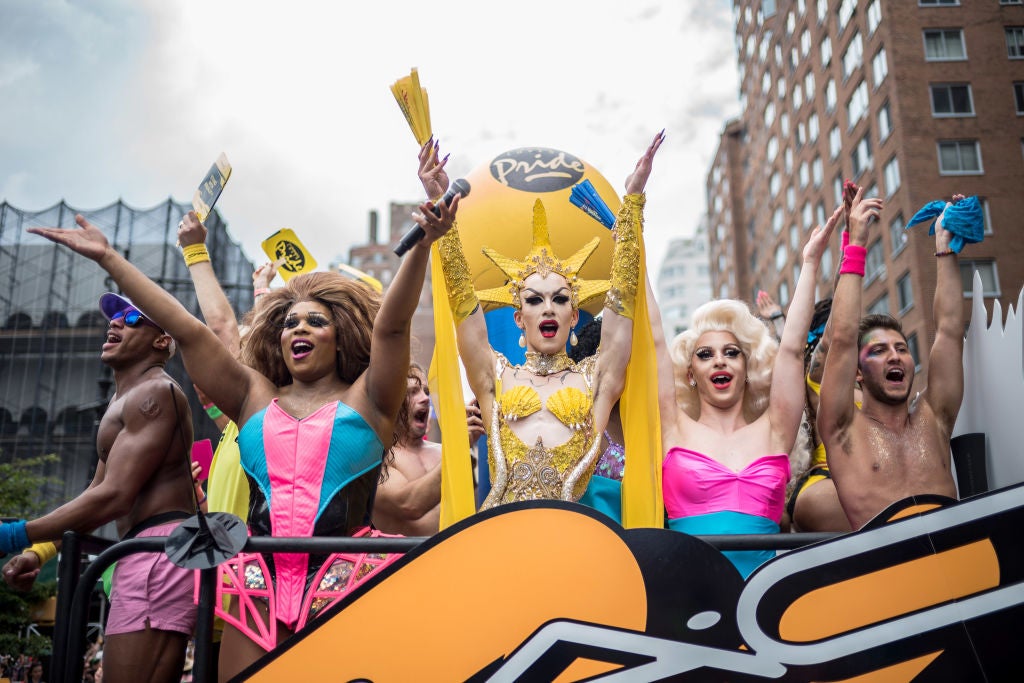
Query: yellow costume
(521,471)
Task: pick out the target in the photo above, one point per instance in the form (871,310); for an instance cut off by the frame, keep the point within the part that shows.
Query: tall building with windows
(683,281)
(913,99)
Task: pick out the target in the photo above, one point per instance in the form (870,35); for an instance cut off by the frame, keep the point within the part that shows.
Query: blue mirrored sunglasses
(133,317)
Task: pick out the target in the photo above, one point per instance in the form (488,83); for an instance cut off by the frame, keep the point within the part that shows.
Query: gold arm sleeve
(458,281)
(626,257)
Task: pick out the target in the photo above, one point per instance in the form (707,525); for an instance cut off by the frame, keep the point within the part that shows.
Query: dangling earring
(522,340)
(573,339)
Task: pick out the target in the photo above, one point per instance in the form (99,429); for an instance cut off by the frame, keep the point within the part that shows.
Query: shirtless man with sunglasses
(143,484)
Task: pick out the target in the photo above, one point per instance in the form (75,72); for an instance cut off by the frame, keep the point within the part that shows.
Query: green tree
(22,484)
(21,487)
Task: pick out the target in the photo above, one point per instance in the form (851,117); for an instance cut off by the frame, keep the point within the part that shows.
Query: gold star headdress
(542,259)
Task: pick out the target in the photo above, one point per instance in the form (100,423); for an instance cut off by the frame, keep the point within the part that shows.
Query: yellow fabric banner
(642,504)
(445,381)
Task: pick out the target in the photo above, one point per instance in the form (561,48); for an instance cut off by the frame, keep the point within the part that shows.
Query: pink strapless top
(694,484)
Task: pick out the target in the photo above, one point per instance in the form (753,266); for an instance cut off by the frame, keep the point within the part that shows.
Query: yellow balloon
(498,212)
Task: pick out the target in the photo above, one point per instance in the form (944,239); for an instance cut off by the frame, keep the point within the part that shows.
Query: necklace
(544,365)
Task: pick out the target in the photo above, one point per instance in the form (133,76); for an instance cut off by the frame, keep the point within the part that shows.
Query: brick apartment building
(915,100)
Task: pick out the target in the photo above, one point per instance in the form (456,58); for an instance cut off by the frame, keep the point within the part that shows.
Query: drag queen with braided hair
(545,417)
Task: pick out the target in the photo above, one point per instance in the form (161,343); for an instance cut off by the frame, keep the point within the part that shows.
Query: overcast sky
(112,99)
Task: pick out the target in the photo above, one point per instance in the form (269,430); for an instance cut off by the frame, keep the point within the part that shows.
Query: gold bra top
(520,471)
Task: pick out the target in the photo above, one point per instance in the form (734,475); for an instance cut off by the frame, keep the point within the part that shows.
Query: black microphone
(460,187)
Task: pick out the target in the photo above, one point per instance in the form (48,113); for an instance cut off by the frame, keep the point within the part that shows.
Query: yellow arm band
(626,257)
(195,253)
(457,278)
(44,551)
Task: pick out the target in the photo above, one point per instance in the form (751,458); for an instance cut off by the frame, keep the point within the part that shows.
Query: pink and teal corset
(310,477)
(704,497)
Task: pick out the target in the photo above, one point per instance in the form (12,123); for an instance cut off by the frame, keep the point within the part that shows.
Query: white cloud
(297,96)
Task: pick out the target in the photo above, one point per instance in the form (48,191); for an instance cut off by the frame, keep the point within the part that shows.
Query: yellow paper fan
(412,100)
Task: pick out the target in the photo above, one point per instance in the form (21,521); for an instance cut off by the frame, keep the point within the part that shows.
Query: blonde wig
(758,345)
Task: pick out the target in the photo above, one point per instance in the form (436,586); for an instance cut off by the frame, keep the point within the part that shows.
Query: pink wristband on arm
(854,257)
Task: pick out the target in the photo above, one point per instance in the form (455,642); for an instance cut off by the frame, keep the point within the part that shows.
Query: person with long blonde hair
(731,403)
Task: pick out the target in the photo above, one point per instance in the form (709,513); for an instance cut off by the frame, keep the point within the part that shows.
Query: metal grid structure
(53,387)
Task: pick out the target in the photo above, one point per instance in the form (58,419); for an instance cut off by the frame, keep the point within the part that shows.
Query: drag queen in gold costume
(545,417)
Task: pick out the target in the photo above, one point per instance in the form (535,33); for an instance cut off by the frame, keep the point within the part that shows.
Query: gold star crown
(542,259)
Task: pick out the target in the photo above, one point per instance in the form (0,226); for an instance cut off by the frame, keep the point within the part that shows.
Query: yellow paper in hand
(412,100)
(211,187)
(285,244)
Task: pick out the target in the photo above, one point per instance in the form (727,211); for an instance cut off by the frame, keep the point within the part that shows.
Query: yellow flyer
(285,244)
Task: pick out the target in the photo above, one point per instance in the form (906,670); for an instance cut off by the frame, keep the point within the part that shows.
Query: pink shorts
(147,589)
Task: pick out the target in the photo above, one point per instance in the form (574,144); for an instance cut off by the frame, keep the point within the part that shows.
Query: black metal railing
(75,586)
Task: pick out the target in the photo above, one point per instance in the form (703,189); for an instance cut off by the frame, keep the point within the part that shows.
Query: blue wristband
(13,538)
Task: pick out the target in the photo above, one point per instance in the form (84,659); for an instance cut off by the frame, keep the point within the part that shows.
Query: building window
(812,127)
(789,160)
(769,115)
(874,16)
(857,107)
(871,191)
(794,238)
(884,122)
(960,157)
(880,306)
(927,3)
(1018,97)
(780,87)
(989,277)
(798,96)
(853,56)
(988,218)
(801,134)
(905,293)
(947,44)
(809,85)
(783,294)
(773,149)
(892,177)
(952,99)
(790,24)
(805,174)
(914,352)
(777,221)
(819,212)
(830,94)
(805,42)
(766,82)
(874,266)
(835,142)
(1015,42)
(780,257)
(826,51)
(774,184)
(768,8)
(837,190)
(845,12)
(822,10)
(790,198)
(817,172)
(862,156)
(879,67)
(897,234)
(1011,2)
(808,216)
